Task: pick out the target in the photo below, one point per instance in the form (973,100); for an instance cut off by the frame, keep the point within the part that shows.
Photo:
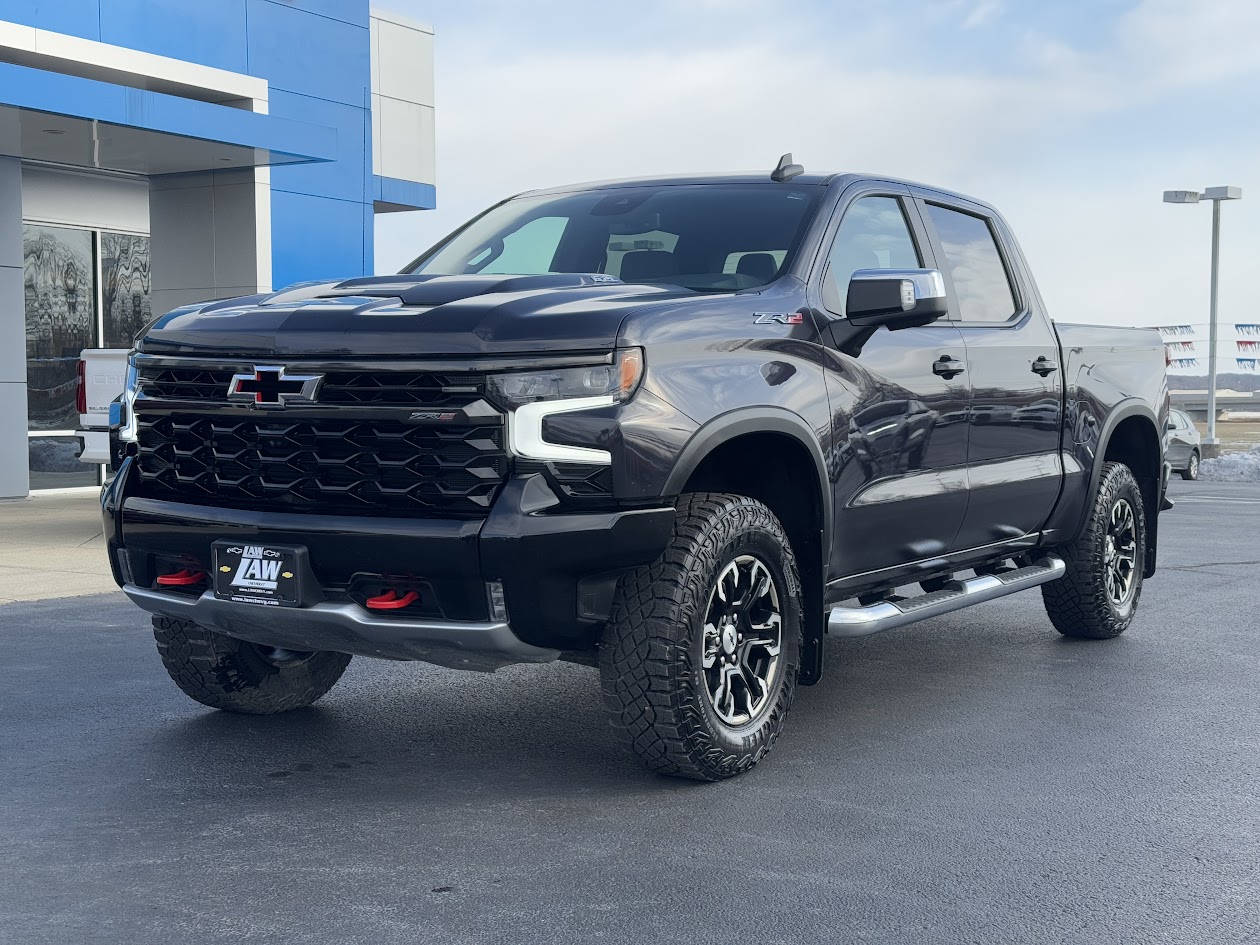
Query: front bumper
(347,628)
(558,571)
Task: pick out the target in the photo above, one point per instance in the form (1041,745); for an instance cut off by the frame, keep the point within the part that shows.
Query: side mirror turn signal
(896,298)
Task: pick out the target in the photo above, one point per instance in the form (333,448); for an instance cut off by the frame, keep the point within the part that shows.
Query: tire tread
(644,667)
(218,671)
(1077,603)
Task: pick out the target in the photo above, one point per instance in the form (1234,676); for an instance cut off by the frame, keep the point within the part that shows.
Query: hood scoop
(438,290)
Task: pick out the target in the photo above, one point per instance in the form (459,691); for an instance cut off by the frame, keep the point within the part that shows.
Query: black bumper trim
(558,568)
(344,628)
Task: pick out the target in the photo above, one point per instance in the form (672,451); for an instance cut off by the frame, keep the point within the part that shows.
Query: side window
(981,283)
(528,249)
(872,235)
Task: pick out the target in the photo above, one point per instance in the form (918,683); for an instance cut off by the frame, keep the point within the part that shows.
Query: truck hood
(410,316)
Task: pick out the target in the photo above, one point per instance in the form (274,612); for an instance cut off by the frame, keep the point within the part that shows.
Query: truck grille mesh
(347,388)
(322,465)
(366,457)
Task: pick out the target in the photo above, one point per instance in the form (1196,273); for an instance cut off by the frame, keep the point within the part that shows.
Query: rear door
(1014,468)
(899,432)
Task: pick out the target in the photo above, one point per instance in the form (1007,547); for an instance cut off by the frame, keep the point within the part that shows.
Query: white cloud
(981,13)
(1069,141)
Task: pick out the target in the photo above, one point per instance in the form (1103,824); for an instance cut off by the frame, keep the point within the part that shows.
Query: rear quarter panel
(1108,374)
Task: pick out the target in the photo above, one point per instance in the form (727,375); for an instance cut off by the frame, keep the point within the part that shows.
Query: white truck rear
(102,374)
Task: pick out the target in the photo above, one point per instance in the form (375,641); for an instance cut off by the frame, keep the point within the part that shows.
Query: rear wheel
(226,673)
(1098,596)
(1191,472)
(699,660)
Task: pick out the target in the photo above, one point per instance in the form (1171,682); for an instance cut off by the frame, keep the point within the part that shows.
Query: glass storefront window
(54,463)
(66,312)
(126,290)
(60,320)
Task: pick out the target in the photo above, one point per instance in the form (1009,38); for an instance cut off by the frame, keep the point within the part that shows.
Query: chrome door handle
(947,367)
(1044,366)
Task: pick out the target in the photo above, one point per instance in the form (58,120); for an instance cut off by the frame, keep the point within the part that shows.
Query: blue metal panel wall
(315,55)
(212,34)
(76,17)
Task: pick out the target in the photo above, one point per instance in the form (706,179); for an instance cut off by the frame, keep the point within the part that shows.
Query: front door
(899,406)
(1014,468)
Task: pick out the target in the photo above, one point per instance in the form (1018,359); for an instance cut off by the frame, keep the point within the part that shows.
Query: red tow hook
(181,578)
(391,601)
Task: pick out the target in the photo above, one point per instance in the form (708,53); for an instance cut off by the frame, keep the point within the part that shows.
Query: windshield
(707,237)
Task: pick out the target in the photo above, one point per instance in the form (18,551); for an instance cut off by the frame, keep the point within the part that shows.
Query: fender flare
(742,421)
(745,420)
(1130,407)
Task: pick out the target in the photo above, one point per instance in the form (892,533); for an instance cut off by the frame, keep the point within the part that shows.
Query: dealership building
(160,152)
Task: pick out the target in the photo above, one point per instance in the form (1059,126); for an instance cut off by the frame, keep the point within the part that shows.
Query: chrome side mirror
(896,298)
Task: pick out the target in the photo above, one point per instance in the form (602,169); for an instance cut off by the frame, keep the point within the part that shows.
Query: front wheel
(225,673)
(1191,472)
(699,660)
(1098,596)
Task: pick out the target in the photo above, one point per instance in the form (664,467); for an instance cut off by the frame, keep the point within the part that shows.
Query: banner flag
(1181,329)
(1249,346)
(1247,364)
(1184,362)
(1249,330)
(1184,346)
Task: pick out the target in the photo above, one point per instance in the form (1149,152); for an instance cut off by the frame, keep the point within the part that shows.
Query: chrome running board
(885,615)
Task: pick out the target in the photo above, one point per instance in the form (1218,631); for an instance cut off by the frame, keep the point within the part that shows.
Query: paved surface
(976,778)
(51,545)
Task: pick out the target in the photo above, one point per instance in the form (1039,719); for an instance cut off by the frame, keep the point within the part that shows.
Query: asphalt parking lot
(975,778)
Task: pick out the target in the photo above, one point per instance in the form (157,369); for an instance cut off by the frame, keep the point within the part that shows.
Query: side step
(885,615)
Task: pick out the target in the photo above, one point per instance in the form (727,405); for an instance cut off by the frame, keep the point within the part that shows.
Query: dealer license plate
(258,574)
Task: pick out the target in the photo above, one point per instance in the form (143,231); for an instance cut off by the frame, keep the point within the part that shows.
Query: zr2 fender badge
(781,318)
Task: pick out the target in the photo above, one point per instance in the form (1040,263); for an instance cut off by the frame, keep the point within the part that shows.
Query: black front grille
(325,464)
(163,382)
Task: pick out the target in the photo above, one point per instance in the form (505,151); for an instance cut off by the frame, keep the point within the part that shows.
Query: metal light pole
(1216,195)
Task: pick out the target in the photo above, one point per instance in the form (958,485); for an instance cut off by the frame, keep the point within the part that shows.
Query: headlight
(617,380)
(534,395)
(127,431)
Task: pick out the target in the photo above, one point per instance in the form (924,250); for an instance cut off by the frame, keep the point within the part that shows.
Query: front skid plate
(345,628)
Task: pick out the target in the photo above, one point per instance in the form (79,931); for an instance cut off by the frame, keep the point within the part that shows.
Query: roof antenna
(786,169)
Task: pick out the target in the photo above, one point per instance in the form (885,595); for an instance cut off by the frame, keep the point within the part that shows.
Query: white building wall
(402,99)
(211,236)
(14,477)
(71,198)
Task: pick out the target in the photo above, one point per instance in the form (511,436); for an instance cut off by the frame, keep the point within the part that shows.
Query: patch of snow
(1232,467)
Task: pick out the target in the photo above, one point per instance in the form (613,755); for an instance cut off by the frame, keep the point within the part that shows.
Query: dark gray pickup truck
(680,429)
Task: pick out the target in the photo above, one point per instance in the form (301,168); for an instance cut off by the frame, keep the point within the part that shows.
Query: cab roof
(806,180)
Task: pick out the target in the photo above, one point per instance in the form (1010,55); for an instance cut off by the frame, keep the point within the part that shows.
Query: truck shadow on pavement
(398,732)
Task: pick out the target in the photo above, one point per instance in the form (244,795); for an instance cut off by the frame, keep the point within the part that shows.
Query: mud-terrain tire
(225,673)
(688,673)
(1191,472)
(1092,600)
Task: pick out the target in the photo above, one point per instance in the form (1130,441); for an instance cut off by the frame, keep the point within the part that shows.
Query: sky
(1071,117)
